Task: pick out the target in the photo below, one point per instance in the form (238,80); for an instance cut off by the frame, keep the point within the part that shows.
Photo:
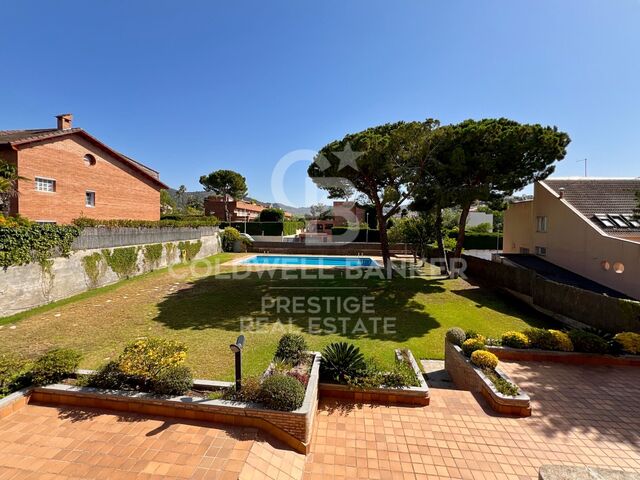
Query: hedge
(257,228)
(361,234)
(21,245)
(292,227)
(480,241)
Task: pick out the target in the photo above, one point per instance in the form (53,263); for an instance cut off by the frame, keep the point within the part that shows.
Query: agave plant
(341,361)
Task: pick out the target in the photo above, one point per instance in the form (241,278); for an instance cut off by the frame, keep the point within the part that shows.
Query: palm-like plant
(341,361)
(8,184)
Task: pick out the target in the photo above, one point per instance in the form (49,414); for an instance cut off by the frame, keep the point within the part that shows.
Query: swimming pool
(347,262)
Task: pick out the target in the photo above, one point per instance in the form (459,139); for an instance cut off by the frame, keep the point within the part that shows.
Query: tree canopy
(225,183)
(382,164)
(272,215)
(486,160)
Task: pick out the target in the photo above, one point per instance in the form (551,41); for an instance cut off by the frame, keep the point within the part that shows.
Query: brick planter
(469,377)
(293,428)
(575,358)
(406,396)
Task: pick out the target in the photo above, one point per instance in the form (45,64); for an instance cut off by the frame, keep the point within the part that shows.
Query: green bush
(35,243)
(401,375)
(456,336)
(561,341)
(505,387)
(110,377)
(291,348)
(361,234)
(272,215)
(472,334)
(229,236)
(281,392)
(291,227)
(484,359)
(341,360)
(250,391)
(54,366)
(12,374)
(588,342)
(539,338)
(471,345)
(479,240)
(515,340)
(173,380)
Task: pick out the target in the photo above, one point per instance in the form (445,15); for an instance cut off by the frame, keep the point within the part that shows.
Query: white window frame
(541,251)
(46,181)
(94,199)
(542,224)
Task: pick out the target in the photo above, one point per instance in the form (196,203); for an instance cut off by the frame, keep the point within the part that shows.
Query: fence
(328,248)
(594,309)
(97,237)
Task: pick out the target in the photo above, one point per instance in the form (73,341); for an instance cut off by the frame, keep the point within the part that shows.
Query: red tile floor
(581,415)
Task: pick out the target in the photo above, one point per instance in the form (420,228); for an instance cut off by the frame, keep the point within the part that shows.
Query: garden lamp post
(236,348)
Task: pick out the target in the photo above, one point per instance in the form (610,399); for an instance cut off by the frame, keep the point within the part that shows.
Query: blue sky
(191,87)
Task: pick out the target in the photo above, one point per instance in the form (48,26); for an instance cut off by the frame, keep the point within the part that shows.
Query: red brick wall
(121,191)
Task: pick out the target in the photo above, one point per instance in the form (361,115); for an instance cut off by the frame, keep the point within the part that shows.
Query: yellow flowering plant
(148,357)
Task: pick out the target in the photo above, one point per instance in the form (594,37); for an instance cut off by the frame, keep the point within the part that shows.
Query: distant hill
(201,195)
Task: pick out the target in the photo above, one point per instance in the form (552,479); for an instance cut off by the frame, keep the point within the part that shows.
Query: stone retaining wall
(29,286)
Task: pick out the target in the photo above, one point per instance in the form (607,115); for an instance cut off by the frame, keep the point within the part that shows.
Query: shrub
(471,345)
(34,243)
(371,376)
(471,334)
(539,338)
(167,221)
(11,375)
(515,340)
(456,336)
(291,348)
(561,341)
(484,359)
(272,215)
(402,375)
(629,342)
(505,387)
(341,360)
(250,391)
(149,356)
(302,377)
(173,380)
(229,236)
(54,366)
(281,392)
(110,377)
(588,342)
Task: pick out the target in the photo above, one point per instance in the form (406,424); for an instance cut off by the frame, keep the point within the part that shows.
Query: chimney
(561,192)
(64,121)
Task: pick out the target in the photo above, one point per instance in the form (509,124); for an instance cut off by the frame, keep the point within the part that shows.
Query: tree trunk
(462,225)
(384,240)
(444,270)
(226,210)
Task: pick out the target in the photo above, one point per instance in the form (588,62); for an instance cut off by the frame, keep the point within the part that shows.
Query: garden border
(469,377)
(575,358)
(292,428)
(405,396)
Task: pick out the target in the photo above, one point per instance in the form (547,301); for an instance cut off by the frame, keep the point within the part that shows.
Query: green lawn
(206,311)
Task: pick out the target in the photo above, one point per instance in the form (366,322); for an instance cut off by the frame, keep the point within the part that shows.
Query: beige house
(585,225)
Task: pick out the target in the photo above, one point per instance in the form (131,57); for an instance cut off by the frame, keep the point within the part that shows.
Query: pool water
(310,261)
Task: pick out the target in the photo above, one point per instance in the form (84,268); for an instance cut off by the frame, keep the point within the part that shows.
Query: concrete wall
(28,286)
(478,218)
(573,242)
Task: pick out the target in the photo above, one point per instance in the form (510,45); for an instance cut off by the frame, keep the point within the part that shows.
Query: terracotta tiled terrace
(582,416)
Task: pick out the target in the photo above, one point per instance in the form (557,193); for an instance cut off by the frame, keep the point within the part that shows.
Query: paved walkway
(582,416)
(43,442)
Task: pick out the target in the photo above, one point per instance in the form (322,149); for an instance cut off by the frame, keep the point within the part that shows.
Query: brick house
(239,210)
(70,174)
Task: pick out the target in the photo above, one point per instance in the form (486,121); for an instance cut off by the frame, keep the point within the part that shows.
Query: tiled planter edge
(292,428)
(406,396)
(468,377)
(577,358)
(14,402)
